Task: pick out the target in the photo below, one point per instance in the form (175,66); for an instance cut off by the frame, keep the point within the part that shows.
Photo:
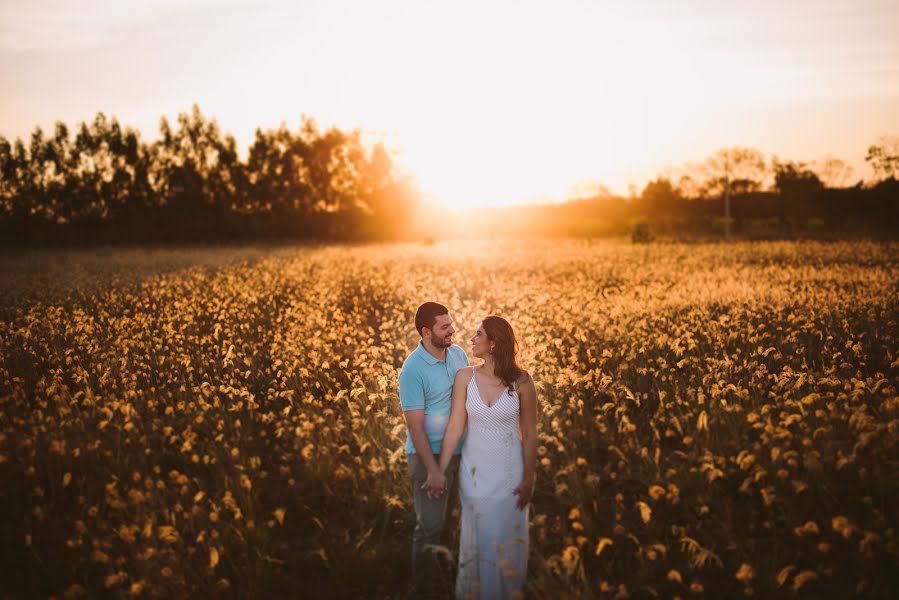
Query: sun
(480,111)
(504,109)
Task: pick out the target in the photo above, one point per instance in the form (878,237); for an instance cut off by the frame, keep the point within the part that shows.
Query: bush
(640,233)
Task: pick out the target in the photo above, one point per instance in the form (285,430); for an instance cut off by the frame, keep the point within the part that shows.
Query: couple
(488,415)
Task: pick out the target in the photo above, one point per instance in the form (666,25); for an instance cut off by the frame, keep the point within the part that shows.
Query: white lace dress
(493,547)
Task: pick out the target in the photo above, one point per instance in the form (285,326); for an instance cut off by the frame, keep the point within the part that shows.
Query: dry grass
(716,420)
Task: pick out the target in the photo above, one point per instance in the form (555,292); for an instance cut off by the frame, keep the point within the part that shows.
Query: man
(426,384)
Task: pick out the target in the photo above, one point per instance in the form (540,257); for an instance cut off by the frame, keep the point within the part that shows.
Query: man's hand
(435,485)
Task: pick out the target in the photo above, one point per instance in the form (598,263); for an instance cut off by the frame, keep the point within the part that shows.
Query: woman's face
(480,345)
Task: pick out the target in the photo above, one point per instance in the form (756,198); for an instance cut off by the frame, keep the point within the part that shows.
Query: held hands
(435,485)
(524,491)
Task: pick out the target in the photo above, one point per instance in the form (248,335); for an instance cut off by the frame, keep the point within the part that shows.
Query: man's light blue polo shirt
(426,383)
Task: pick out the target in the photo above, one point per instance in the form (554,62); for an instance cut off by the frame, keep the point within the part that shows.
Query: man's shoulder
(413,360)
(456,349)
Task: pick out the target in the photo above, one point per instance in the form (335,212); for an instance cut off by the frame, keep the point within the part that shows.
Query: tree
(195,169)
(331,167)
(884,157)
(23,202)
(42,172)
(732,172)
(276,173)
(834,173)
(660,198)
(688,187)
(799,189)
(8,183)
(743,169)
(391,200)
(795,178)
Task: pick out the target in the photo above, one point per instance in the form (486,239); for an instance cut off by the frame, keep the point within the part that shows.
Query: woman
(497,400)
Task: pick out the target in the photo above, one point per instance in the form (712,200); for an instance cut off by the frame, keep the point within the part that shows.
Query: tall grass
(715,420)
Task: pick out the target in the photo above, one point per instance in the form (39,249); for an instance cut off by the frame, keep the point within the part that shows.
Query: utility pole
(727,196)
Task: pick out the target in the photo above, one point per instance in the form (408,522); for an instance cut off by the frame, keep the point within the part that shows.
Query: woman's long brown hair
(505,349)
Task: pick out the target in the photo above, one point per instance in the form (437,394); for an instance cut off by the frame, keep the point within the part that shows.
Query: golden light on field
(226,420)
(486,103)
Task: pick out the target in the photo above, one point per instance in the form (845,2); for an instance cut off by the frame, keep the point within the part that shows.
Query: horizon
(507,117)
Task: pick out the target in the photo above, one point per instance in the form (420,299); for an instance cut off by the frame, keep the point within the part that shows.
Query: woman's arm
(527,396)
(458,418)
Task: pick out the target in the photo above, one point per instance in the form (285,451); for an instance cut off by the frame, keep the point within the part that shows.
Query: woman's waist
(489,440)
(489,430)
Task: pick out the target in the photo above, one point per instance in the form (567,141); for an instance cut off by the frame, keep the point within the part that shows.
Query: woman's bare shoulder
(464,372)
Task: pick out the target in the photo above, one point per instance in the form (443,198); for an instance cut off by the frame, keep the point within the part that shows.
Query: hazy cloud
(61,25)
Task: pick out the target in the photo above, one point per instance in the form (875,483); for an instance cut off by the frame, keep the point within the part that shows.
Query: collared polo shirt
(426,383)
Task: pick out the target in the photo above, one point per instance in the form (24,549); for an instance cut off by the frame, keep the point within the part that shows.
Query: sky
(484,102)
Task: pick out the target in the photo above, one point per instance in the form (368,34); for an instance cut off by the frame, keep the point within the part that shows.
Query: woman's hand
(524,491)
(435,485)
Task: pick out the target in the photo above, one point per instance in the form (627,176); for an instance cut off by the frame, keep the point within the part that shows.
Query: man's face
(442,332)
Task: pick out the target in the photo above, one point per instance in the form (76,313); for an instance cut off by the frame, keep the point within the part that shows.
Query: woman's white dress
(493,547)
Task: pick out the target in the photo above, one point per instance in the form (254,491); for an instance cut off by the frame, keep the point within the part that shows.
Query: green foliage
(191,183)
(100,182)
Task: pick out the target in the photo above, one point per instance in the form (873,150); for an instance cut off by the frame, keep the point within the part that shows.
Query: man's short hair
(427,314)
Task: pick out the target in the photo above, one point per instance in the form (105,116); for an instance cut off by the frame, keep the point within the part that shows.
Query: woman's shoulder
(465,372)
(523,378)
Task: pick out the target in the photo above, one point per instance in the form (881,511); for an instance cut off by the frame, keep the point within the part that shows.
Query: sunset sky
(486,102)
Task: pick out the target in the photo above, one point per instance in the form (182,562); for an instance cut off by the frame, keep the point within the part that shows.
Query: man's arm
(415,421)
(412,399)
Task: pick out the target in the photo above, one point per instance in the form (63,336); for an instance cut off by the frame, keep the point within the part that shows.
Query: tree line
(769,198)
(789,195)
(103,183)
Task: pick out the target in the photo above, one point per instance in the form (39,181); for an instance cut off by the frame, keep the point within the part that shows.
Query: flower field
(716,421)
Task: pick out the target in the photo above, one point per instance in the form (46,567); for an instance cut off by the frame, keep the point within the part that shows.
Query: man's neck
(438,353)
